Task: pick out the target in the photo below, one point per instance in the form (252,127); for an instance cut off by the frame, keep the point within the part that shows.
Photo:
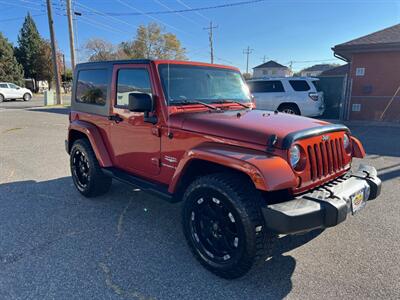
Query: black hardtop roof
(114,62)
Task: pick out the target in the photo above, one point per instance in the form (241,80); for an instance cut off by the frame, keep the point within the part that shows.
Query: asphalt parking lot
(55,244)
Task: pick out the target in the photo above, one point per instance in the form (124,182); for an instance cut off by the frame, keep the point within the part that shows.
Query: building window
(356,107)
(265,72)
(360,71)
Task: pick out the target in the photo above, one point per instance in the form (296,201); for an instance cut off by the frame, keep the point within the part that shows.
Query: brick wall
(376,87)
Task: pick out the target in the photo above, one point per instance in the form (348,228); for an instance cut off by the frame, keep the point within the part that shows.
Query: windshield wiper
(232,101)
(188,102)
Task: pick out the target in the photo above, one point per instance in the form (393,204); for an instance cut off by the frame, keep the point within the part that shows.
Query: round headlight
(294,155)
(346,141)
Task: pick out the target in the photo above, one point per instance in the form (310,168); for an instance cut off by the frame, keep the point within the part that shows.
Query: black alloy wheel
(214,228)
(80,168)
(86,172)
(223,224)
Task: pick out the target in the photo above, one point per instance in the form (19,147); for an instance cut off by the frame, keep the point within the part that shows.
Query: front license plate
(357,201)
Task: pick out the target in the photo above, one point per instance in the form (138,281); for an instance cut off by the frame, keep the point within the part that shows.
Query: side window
(272,86)
(131,81)
(12,85)
(3,86)
(299,85)
(92,87)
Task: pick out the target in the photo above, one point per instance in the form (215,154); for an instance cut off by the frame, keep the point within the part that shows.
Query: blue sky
(302,31)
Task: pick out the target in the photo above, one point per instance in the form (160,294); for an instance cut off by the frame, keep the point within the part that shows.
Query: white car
(12,91)
(293,95)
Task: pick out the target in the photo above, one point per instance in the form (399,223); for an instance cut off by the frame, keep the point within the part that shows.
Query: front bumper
(324,207)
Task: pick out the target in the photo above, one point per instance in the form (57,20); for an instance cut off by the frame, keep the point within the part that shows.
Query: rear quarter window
(299,85)
(92,87)
(272,86)
(317,85)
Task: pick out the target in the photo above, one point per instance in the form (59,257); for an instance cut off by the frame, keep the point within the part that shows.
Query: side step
(152,188)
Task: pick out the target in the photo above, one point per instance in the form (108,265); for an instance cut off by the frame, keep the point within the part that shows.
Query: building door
(334,88)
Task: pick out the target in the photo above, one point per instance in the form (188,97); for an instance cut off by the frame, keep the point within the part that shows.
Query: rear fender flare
(268,173)
(94,136)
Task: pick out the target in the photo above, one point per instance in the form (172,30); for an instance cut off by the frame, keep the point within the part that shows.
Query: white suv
(13,91)
(293,95)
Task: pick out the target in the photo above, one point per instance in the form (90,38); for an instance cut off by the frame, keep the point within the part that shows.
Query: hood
(254,126)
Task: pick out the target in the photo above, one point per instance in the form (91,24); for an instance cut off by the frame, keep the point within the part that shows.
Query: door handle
(115,118)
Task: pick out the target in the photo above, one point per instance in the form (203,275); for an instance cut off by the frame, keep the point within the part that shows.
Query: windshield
(210,85)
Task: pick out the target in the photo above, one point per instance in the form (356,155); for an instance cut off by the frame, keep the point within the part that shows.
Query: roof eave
(347,50)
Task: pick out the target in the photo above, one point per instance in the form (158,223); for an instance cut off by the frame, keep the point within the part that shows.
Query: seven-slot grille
(325,158)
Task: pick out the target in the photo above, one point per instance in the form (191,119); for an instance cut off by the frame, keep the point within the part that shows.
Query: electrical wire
(165,12)
(177,13)
(195,11)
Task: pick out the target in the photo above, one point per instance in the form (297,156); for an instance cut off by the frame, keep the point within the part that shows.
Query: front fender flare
(267,172)
(95,139)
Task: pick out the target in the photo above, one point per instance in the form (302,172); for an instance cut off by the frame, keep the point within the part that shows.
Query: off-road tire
(98,183)
(2,98)
(289,109)
(27,97)
(240,195)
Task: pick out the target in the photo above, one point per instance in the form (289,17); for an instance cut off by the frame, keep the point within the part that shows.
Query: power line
(22,5)
(188,9)
(104,15)
(195,11)
(146,14)
(21,18)
(179,14)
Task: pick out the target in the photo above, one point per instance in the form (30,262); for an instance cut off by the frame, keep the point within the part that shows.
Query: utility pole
(247,51)
(210,37)
(264,58)
(54,52)
(71,35)
(65,70)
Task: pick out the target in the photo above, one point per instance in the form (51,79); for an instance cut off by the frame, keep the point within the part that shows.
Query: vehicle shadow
(54,110)
(135,244)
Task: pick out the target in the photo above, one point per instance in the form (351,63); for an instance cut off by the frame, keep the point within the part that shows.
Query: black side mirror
(142,102)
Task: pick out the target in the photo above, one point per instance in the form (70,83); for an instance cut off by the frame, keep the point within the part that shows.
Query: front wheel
(223,224)
(85,170)
(27,97)
(291,109)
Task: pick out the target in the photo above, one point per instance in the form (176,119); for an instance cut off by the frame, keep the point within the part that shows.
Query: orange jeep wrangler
(190,132)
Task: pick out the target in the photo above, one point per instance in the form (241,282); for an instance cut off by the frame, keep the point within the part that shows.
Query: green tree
(10,69)
(152,42)
(29,48)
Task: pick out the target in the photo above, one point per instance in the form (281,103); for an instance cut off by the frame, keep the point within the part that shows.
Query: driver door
(135,143)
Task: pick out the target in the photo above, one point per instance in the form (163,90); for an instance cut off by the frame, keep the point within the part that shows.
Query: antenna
(168,125)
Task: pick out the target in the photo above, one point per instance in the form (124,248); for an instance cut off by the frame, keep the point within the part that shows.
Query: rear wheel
(1,98)
(292,109)
(27,97)
(86,172)
(223,224)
